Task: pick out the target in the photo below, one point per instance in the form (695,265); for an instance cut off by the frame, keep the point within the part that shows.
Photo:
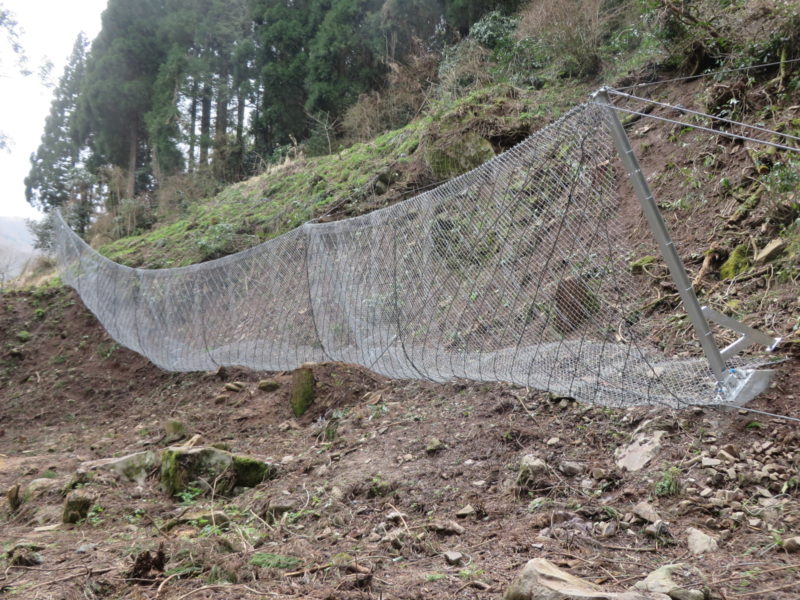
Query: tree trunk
(205,125)
(192,126)
(221,150)
(130,184)
(240,118)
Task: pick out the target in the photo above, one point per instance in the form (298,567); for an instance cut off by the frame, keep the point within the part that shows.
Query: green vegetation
(669,484)
(266,560)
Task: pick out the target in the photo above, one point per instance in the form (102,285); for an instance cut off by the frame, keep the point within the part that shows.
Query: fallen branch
(89,572)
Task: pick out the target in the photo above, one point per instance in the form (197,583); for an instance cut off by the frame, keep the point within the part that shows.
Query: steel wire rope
(708,74)
(706,129)
(697,113)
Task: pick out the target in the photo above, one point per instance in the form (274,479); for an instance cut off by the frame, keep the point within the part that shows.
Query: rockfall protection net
(513,272)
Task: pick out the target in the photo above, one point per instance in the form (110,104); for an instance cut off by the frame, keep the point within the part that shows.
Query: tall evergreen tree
(52,180)
(342,61)
(121,72)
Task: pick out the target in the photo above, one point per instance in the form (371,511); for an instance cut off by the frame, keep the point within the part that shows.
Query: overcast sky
(48,30)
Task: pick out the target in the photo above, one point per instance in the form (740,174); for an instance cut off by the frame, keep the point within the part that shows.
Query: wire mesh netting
(513,272)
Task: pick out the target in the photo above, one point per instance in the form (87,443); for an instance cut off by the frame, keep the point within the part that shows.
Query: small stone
(479,483)
(453,558)
(731,449)
(268,385)
(771,251)
(85,548)
(755,523)
(700,543)
(465,512)
(708,462)
(533,473)
(234,386)
(706,493)
(661,581)
(792,544)
(553,441)
(657,529)
(606,529)
(646,511)
(644,447)
(570,468)
(434,445)
(542,580)
(446,528)
(396,516)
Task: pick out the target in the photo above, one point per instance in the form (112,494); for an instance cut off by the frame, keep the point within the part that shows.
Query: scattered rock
(533,473)
(396,516)
(133,467)
(268,385)
(657,529)
(181,466)
(770,251)
(453,558)
(303,390)
(76,506)
(606,529)
(85,548)
(434,445)
(661,580)
(39,487)
(699,542)
(792,544)
(646,511)
(465,512)
(234,386)
(553,441)
(542,580)
(446,527)
(644,447)
(570,468)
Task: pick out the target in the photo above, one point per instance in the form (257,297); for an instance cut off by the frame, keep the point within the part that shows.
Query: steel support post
(659,229)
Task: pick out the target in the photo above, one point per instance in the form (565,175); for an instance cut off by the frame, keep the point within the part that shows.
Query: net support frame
(735,387)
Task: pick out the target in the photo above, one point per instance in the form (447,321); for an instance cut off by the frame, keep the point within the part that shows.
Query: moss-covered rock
(451,156)
(76,506)
(182,467)
(738,262)
(268,385)
(174,431)
(303,390)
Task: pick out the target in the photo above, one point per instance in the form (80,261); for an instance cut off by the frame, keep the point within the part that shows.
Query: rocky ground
(382,489)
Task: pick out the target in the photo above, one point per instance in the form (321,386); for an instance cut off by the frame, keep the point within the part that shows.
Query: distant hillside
(16,246)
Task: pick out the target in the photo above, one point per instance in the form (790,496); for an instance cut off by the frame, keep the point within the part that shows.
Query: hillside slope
(445,458)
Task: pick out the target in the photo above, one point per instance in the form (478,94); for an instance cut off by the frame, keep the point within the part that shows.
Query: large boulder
(133,467)
(542,580)
(208,467)
(450,156)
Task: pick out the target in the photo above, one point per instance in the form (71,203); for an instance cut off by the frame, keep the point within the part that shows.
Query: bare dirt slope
(445,457)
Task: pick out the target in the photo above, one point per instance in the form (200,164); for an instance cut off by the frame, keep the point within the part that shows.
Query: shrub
(575,30)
